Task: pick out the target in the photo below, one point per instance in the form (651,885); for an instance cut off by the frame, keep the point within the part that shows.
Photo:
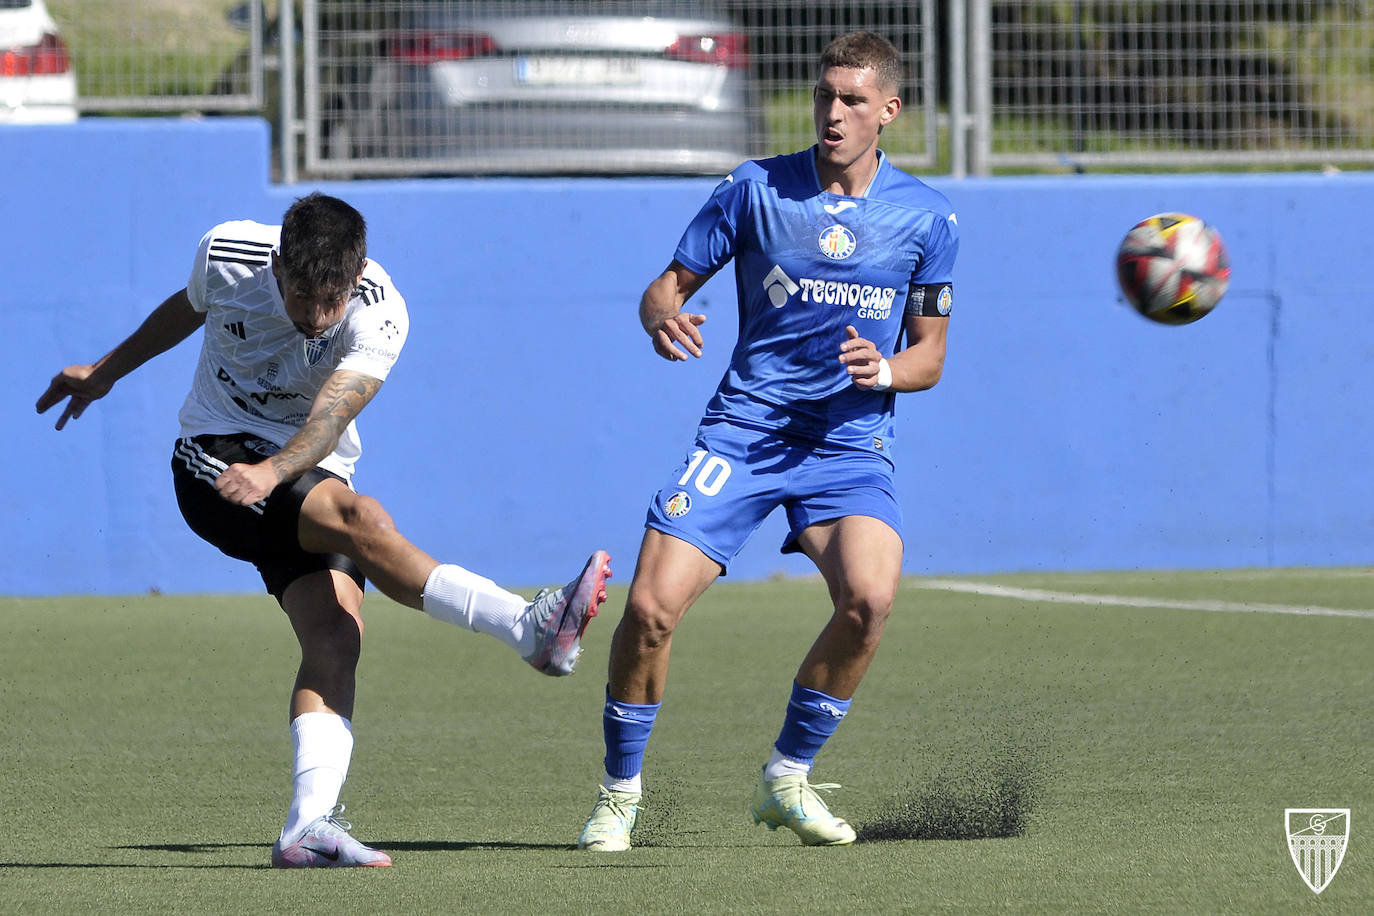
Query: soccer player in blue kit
(843,273)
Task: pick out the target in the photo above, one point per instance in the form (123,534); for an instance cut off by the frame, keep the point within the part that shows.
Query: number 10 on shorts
(710,475)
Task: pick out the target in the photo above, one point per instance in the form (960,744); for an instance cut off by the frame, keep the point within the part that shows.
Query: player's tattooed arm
(341,398)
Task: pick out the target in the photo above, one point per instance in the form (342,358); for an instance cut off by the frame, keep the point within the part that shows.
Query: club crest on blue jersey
(314,349)
(837,243)
(678,505)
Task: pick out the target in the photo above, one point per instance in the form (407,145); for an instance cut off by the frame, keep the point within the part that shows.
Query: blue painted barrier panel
(529,419)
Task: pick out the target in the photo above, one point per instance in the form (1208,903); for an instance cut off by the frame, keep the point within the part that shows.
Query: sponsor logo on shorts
(678,505)
(261,447)
(837,243)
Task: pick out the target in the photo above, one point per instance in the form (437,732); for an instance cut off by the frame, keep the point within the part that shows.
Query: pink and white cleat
(326,843)
(561,617)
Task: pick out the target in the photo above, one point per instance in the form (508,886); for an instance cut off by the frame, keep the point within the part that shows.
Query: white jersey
(257,373)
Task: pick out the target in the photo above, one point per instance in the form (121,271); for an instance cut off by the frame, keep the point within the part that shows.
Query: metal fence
(1173,83)
(630,86)
(419,87)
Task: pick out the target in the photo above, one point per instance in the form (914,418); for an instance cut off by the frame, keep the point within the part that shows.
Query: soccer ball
(1173,268)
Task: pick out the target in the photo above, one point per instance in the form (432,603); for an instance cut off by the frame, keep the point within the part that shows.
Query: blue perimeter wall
(529,419)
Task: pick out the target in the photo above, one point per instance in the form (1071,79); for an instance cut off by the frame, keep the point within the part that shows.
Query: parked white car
(37,83)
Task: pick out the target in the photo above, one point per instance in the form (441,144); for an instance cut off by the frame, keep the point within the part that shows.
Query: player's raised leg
(670,576)
(860,558)
(546,631)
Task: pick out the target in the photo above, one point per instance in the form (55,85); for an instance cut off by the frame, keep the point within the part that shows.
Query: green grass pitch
(1038,754)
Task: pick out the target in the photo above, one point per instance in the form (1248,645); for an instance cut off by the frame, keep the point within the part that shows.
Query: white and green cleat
(612,818)
(792,802)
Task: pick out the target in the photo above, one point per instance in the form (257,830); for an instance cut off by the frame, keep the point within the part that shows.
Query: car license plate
(577,71)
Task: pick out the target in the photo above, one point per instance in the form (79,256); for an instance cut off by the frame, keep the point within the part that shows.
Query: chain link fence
(421,87)
(593,86)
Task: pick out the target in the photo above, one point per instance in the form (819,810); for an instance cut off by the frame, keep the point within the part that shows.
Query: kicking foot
(560,617)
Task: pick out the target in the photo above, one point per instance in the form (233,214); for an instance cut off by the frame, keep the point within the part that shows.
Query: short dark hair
(859,50)
(323,244)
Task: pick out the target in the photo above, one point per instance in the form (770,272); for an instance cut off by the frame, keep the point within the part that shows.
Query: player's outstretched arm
(915,368)
(169,324)
(661,314)
(341,398)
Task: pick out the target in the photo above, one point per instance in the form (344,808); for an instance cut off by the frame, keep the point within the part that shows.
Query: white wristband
(884,376)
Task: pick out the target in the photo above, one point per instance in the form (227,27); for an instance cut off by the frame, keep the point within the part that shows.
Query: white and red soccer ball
(1173,268)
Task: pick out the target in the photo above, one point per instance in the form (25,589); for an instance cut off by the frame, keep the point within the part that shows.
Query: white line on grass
(1220,607)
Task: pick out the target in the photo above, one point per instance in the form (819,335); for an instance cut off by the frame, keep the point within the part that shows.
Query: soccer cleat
(561,617)
(326,844)
(792,802)
(612,819)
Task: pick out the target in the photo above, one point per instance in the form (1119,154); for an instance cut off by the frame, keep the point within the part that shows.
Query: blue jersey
(808,263)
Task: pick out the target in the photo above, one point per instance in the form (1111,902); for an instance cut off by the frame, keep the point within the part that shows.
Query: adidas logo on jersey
(241,251)
(370,291)
(236,328)
(870,301)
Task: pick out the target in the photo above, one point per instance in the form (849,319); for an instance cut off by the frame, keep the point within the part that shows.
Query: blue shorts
(733,478)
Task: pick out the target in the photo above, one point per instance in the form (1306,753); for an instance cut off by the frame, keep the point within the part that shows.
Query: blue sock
(627,728)
(812,717)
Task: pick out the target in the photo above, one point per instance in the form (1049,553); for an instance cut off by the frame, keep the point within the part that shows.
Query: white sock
(631,784)
(468,600)
(324,746)
(778,765)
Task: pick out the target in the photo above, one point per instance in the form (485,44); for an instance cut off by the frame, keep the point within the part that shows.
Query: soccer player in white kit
(300,331)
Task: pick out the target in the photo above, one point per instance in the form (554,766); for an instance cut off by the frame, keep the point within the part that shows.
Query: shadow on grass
(195,849)
(4,866)
(387,845)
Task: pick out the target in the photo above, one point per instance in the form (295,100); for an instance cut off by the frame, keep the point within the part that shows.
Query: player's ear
(891,108)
